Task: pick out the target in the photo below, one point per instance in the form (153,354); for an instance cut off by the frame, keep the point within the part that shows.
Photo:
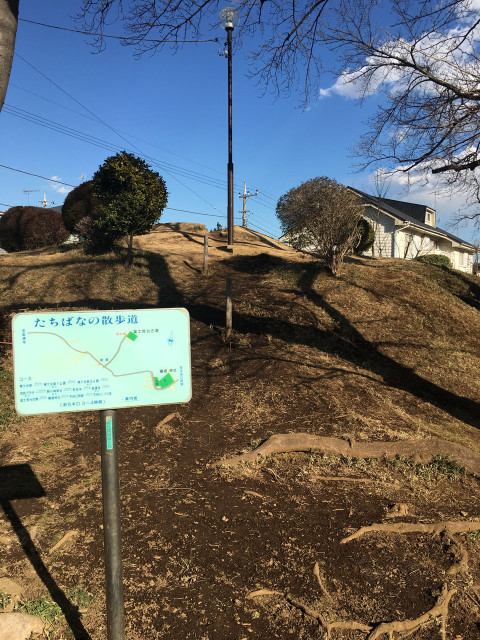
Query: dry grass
(388,351)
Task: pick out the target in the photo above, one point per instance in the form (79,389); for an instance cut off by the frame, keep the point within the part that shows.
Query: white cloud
(450,56)
(59,188)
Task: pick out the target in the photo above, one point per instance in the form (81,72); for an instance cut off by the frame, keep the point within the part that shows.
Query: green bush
(367,236)
(437,260)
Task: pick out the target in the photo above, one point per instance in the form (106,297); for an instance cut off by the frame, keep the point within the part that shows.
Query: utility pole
(45,201)
(246,194)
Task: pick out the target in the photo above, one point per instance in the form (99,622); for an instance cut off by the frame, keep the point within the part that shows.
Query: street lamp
(229,20)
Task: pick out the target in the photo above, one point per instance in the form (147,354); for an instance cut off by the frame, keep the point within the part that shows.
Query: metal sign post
(111,525)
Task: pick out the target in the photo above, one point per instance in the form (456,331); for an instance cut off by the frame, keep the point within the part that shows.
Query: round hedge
(80,203)
(24,228)
(437,259)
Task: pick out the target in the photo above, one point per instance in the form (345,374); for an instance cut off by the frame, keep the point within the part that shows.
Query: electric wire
(109,127)
(110,146)
(265,228)
(97,118)
(36,175)
(257,227)
(75,100)
(73,133)
(166,167)
(130,135)
(197,213)
(104,35)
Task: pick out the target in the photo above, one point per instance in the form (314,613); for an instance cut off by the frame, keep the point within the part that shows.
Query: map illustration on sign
(92,360)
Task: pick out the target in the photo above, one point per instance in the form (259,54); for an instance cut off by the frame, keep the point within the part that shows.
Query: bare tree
(290,43)
(8,31)
(381,187)
(421,56)
(322,216)
(425,63)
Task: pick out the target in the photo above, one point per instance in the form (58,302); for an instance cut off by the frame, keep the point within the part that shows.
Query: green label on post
(109,433)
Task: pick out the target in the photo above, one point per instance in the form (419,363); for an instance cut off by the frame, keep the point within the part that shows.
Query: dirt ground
(255,551)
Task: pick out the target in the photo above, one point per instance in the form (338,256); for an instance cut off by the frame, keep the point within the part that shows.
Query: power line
(265,204)
(111,146)
(165,167)
(197,213)
(266,221)
(192,175)
(104,35)
(130,135)
(36,175)
(74,99)
(269,230)
(209,178)
(257,227)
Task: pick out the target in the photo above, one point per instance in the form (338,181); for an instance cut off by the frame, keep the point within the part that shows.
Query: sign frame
(84,377)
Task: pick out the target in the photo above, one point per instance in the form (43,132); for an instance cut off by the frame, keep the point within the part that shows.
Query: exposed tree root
(264,592)
(461,566)
(419,450)
(395,629)
(407,627)
(450,527)
(323,588)
(306,610)
(340,479)
(347,625)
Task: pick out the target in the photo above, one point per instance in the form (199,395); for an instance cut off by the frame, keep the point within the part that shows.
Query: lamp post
(229,20)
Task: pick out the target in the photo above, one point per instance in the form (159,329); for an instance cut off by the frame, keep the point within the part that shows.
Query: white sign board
(92,360)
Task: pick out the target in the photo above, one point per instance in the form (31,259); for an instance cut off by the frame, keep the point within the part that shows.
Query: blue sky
(172,109)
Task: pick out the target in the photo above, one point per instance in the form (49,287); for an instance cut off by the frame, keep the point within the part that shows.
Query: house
(406,230)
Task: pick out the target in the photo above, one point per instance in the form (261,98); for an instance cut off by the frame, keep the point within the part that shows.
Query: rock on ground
(20,626)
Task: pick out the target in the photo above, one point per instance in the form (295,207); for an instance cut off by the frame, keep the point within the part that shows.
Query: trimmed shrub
(24,228)
(79,204)
(367,237)
(436,259)
(93,241)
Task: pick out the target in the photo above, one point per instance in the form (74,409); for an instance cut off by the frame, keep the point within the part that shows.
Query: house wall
(384,227)
(463,261)
(392,241)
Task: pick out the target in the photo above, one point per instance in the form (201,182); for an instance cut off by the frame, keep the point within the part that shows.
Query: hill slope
(387,352)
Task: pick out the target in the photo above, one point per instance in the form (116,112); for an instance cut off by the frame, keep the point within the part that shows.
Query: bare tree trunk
(8,31)
(129,256)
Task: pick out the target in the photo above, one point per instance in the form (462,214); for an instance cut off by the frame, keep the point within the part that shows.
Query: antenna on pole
(29,191)
(246,194)
(45,201)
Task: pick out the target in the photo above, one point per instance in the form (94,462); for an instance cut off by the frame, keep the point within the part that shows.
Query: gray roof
(416,213)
